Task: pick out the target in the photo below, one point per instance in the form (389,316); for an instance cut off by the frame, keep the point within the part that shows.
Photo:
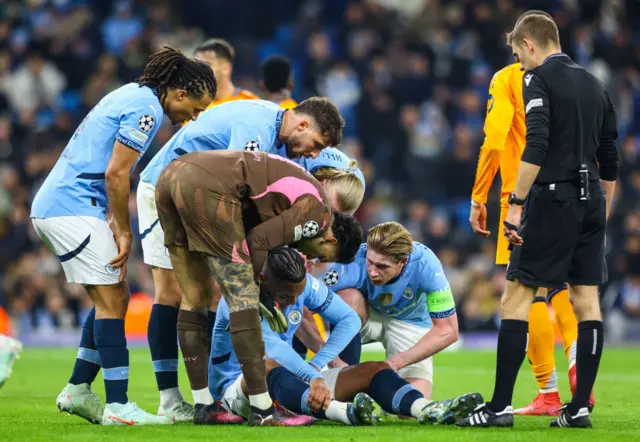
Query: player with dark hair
(69,213)
(292,289)
(277,81)
(221,213)
(219,54)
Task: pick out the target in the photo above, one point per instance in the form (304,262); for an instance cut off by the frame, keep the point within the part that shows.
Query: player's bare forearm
(488,166)
(308,332)
(443,334)
(609,188)
(527,174)
(118,186)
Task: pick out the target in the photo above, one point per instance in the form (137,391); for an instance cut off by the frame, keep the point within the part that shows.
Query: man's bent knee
(236,282)
(516,301)
(356,300)
(111,301)
(167,288)
(586,303)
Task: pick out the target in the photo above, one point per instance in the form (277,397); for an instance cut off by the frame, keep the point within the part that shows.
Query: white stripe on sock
(527,347)
(595,341)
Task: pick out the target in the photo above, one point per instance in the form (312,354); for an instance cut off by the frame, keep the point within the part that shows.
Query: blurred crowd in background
(410,78)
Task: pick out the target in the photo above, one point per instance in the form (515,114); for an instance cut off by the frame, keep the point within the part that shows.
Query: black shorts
(563,237)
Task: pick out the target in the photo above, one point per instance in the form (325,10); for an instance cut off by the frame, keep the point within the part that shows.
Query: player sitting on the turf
(404,300)
(288,283)
(293,289)
(69,213)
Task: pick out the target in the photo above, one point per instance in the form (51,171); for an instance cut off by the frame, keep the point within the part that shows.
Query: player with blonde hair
(399,289)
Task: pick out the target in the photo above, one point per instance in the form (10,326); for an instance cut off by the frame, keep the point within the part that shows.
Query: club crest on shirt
(408,293)
(386,298)
(295,317)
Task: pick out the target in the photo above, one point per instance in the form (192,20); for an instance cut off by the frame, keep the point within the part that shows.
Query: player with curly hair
(69,213)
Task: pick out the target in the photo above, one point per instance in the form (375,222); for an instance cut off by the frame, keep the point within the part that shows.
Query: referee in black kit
(566,182)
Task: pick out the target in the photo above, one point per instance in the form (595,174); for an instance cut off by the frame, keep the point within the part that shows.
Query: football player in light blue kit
(293,289)
(333,158)
(69,213)
(245,124)
(404,300)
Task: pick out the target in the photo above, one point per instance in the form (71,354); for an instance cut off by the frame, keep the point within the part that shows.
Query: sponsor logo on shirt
(138,136)
(527,79)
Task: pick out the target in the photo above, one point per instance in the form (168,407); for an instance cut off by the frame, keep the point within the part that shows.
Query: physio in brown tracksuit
(222,211)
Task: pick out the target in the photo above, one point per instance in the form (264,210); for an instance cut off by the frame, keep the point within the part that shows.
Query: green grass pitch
(28,411)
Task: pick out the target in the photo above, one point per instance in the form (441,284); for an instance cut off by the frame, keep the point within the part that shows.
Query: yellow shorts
(502,248)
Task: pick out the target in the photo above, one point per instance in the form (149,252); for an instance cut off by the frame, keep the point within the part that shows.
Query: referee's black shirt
(566,111)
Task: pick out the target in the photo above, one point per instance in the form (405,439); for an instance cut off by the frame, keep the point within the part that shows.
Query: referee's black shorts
(563,237)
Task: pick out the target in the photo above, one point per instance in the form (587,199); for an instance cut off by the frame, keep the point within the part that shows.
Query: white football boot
(9,352)
(130,414)
(177,411)
(81,401)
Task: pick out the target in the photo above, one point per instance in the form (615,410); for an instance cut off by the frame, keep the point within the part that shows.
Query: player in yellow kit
(505,138)
(220,55)
(277,81)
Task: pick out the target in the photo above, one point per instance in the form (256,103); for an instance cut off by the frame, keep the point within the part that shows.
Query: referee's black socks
(588,354)
(512,348)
